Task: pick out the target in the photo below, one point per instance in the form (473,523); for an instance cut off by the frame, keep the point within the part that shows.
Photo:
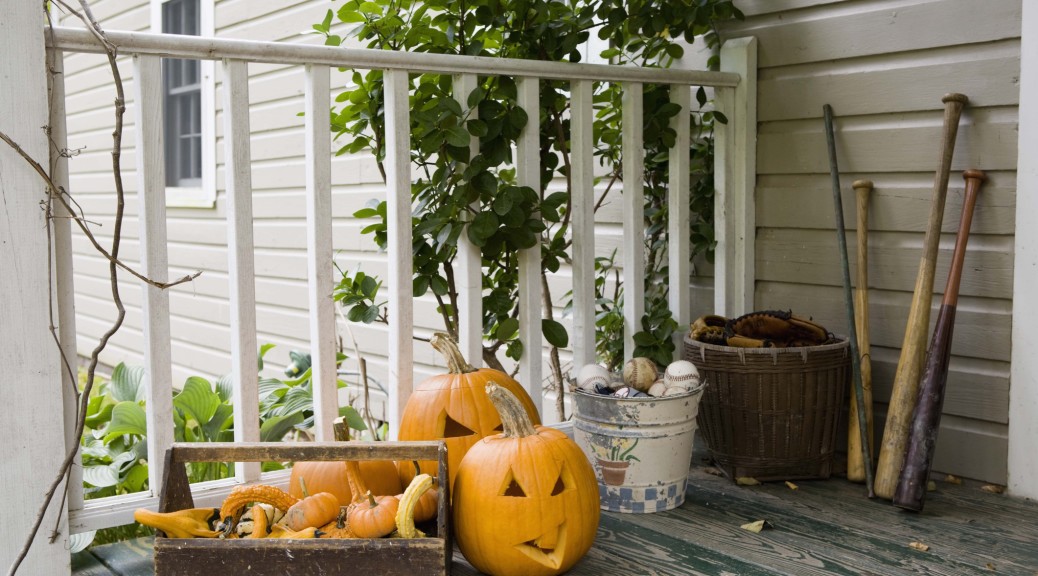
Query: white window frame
(205,195)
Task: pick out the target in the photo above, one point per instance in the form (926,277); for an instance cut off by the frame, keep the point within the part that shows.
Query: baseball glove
(709,329)
(774,329)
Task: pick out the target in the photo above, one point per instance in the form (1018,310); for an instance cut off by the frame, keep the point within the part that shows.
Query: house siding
(884,66)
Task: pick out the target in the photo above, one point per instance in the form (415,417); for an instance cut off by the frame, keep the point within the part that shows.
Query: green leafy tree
(508,217)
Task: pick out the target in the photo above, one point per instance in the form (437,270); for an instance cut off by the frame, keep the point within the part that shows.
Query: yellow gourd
(189,523)
(405,513)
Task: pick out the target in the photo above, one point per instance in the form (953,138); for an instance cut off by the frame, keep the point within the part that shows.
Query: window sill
(190,197)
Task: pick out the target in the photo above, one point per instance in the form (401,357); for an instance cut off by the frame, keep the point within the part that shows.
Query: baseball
(640,373)
(591,375)
(657,389)
(675,390)
(681,373)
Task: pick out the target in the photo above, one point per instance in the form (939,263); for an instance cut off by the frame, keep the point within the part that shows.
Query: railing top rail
(202,48)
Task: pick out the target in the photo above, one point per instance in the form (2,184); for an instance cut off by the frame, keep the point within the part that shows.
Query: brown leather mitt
(709,329)
(774,329)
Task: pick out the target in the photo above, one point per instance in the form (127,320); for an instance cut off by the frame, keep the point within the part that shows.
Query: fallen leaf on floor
(952,479)
(757,526)
(920,546)
(993,488)
(989,566)
(713,471)
(746,481)
(792,486)
(931,486)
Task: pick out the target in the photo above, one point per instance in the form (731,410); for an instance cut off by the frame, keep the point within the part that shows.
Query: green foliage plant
(477,195)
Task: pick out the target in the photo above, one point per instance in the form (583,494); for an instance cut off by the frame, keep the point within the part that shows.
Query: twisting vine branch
(59,194)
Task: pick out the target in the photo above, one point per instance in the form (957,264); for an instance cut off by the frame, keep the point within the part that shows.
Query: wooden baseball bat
(855,463)
(913,347)
(841,237)
(926,419)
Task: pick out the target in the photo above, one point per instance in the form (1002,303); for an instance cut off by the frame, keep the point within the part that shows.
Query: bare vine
(58,194)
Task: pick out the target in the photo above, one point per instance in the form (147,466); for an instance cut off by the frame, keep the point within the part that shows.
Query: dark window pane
(182,97)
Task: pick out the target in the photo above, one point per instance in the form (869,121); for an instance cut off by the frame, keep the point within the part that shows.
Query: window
(188,90)
(182,100)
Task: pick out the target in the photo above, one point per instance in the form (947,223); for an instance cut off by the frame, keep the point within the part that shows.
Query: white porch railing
(735,96)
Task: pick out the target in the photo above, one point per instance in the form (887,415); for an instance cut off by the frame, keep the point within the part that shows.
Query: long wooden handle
(855,462)
(906,379)
(926,419)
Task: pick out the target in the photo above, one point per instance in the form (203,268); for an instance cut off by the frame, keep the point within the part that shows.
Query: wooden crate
(328,557)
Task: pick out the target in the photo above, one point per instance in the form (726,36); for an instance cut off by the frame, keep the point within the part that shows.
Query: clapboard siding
(883,66)
(835,31)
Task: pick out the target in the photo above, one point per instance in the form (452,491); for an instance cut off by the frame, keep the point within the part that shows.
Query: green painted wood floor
(823,527)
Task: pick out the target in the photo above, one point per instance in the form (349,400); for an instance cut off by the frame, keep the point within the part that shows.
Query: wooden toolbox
(327,557)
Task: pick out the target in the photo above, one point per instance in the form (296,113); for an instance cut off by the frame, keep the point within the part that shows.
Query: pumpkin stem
(371,499)
(340,520)
(302,486)
(515,422)
(456,363)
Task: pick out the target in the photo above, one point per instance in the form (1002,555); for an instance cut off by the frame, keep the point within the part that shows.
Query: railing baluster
(583,196)
(735,157)
(634,214)
(151,197)
(61,224)
(241,265)
(678,248)
(401,266)
(528,173)
(470,262)
(319,251)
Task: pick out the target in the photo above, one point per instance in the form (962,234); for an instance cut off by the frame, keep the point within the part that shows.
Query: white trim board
(1023,389)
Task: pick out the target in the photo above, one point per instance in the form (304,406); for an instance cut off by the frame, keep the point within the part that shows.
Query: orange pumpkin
(373,517)
(525,501)
(454,407)
(380,476)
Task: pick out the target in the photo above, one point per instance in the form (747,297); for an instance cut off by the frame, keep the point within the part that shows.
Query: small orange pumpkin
(373,517)
(454,407)
(312,511)
(379,475)
(525,501)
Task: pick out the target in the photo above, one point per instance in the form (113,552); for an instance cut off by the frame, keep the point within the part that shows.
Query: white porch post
(34,437)
(735,179)
(1023,390)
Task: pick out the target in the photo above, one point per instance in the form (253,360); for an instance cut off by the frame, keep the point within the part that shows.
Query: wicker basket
(771,413)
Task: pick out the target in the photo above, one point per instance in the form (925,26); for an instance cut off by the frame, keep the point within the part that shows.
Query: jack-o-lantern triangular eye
(499,428)
(512,488)
(454,429)
(560,485)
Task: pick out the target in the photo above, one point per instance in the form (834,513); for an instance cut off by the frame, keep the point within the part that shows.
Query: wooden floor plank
(128,558)
(86,564)
(823,528)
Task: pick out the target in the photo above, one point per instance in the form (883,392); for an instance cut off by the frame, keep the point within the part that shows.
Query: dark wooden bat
(926,419)
(913,347)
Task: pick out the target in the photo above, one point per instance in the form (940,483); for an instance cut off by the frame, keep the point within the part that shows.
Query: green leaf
(274,429)
(352,418)
(223,419)
(507,328)
(104,413)
(644,339)
(197,400)
(225,387)
(554,333)
(127,418)
(263,352)
(136,477)
(720,117)
(100,476)
(477,128)
(370,315)
(482,227)
(370,8)
(457,136)
(126,383)
(420,285)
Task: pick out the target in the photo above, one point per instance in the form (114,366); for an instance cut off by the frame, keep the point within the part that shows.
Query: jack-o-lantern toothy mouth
(550,557)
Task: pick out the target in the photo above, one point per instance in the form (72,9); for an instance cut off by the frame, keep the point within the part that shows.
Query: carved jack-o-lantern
(454,407)
(525,501)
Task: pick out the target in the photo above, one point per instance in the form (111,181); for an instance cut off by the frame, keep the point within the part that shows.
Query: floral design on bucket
(613,457)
